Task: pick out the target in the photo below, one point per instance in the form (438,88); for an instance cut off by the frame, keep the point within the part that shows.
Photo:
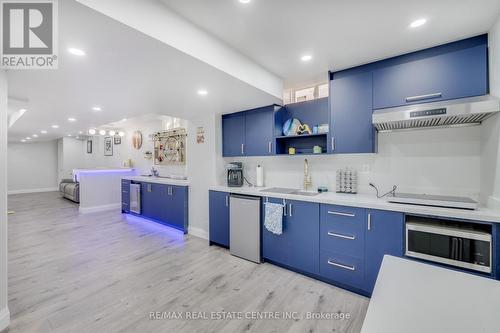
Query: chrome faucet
(154,172)
(307,176)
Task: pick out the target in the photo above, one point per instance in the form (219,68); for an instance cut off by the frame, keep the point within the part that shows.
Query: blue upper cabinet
(249,133)
(259,130)
(351,129)
(219,218)
(384,235)
(233,135)
(456,74)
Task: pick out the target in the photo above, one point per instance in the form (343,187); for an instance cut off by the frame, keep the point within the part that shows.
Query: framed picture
(108,146)
(118,140)
(89,146)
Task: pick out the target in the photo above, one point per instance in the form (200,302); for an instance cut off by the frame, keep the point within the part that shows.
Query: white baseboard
(198,232)
(96,209)
(34,190)
(4,318)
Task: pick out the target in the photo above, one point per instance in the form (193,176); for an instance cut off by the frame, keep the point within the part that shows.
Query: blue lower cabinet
(384,235)
(175,211)
(349,271)
(125,195)
(219,218)
(297,247)
(166,204)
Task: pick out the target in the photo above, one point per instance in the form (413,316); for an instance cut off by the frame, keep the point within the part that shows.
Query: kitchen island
(100,188)
(414,297)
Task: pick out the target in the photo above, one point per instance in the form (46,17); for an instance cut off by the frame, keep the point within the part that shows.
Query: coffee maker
(234,174)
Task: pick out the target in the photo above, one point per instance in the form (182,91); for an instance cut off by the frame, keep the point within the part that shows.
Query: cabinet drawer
(350,243)
(343,220)
(341,268)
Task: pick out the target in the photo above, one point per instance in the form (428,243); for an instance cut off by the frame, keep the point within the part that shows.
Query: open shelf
(300,136)
(303,144)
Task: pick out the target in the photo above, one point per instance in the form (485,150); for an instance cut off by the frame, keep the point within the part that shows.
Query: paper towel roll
(260,176)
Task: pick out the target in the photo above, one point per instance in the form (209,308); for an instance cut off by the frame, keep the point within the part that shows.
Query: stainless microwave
(462,245)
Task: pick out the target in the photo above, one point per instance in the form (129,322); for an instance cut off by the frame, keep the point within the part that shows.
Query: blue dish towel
(273,220)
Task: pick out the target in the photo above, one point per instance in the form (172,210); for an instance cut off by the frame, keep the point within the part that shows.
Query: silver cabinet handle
(333,143)
(290,210)
(284,209)
(270,147)
(351,268)
(227,200)
(369,221)
(242,148)
(341,236)
(150,188)
(341,214)
(423,97)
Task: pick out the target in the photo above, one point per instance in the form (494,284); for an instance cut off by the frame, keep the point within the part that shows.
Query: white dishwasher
(244,227)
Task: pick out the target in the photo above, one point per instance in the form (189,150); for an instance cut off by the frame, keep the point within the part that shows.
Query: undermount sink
(292,191)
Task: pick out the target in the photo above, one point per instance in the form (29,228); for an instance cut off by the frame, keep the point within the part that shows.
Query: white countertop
(158,180)
(104,170)
(414,297)
(370,201)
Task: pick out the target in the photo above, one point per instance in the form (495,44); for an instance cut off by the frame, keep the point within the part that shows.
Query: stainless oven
(464,245)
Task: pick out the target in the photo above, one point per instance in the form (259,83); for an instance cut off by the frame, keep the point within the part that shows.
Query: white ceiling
(125,72)
(337,33)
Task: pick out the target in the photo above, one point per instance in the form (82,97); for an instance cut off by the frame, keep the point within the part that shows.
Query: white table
(410,296)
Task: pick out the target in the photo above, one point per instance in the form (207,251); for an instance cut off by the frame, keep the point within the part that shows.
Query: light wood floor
(106,272)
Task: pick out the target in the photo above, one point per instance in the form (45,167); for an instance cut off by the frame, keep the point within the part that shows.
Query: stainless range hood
(456,112)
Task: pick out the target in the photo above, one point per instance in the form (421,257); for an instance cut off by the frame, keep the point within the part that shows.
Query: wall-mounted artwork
(108,146)
(118,140)
(89,146)
(200,134)
(170,147)
(137,140)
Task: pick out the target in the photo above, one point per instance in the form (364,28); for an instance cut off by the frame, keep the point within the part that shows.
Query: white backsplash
(434,161)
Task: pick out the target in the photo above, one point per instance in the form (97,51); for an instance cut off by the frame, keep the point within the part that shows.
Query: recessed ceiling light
(306,57)
(112,133)
(71,120)
(22,110)
(43,132)
(202,92)
(23,140)
(121,133)
(124,119)
(245,1)
(92,131)
(76,51)
(55,126)
(69,134)
(28,138)
(96,108)
(35,135)
(418,23)
(81,132)
(102,132)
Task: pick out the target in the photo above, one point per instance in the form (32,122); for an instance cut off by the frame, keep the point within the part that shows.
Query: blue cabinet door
(177,207)
(298,246)
(259,130)
(125,196)
(219,218)
(458,74)
(148,205)
(384,235)
(275,247)
(303,235)
(351,129)
(233,135)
